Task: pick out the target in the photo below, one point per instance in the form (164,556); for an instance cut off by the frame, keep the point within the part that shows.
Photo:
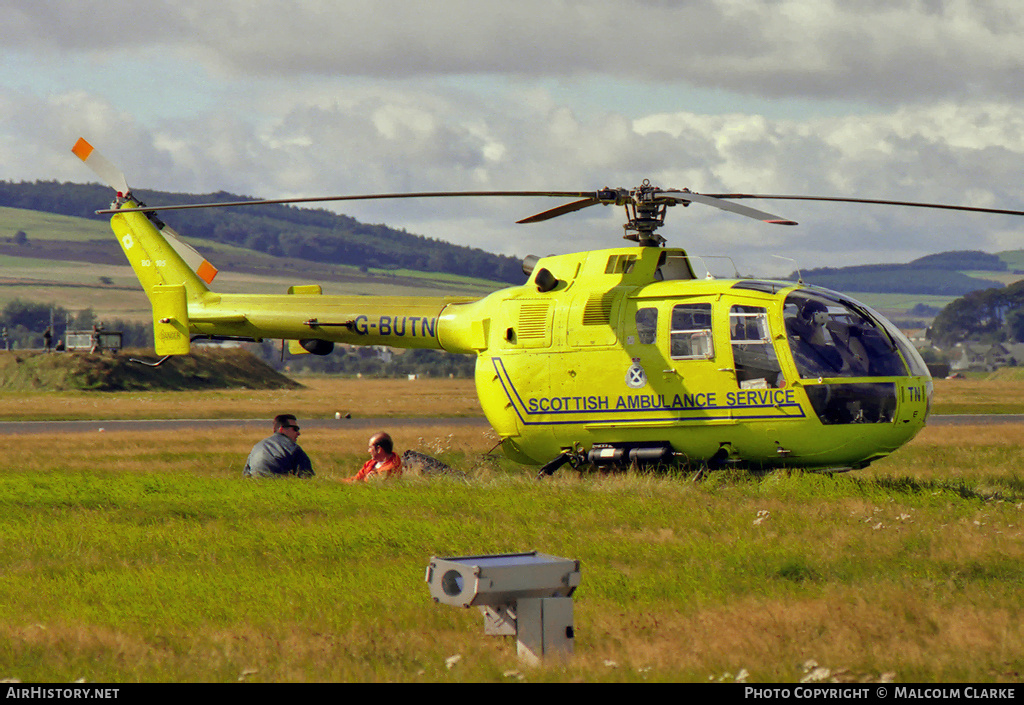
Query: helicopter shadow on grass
(1008,489)
(985,489)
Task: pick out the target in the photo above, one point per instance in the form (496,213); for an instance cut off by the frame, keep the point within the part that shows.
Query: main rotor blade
(911,204)
(364,197)
(560,210)
(717,202)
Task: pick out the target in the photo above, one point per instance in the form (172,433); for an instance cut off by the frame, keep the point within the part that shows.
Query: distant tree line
(960,261)
(303,233)
(986,316)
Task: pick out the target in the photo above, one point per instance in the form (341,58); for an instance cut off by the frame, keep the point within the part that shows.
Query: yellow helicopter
(607,357)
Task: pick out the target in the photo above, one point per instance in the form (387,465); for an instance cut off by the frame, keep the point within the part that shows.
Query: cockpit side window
(646,325)
(757,366)
(690,334)
(673,265)
(830,339)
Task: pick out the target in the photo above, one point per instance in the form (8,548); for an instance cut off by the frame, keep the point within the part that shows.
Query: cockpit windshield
(830,337)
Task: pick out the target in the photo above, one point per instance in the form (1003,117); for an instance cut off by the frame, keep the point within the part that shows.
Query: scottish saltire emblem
(635,375)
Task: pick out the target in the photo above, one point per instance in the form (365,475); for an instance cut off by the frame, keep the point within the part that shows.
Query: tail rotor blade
(101,166)
(199,264)
(106,170)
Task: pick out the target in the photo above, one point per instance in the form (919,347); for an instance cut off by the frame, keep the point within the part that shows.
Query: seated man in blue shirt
(279,455)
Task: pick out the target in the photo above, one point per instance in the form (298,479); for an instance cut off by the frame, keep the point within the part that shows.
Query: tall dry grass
(146,556)
(995,393)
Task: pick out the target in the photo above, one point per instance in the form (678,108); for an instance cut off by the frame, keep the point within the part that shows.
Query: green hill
(313,235)
(941,274)
(47,237)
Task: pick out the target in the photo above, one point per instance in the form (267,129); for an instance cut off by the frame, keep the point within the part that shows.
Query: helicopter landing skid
(573,456)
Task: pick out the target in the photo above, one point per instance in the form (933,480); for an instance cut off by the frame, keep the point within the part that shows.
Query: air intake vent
(533,320)
(598,309)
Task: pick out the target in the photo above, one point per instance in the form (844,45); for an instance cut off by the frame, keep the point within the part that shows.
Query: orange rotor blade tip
(82,149)
(206,272)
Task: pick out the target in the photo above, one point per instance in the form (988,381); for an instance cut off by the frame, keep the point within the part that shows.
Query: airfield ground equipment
(90,340)
(525,595)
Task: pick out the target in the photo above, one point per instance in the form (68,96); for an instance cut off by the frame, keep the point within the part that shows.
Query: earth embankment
(106,372)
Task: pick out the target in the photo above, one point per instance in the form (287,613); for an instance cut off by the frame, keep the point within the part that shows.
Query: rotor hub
(645,213)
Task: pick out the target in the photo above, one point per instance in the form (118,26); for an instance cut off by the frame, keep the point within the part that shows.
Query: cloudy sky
(893,99)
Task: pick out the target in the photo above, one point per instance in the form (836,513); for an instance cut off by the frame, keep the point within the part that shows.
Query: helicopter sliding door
(760,390)
(679,337)
(756,364)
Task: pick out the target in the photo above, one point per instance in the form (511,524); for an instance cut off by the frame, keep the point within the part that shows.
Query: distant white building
(981,356)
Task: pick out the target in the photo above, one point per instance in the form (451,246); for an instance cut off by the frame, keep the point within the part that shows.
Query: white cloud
(902,100)
(887,52)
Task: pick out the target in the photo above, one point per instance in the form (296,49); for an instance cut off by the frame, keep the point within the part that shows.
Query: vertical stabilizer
(155,261)
(170,319)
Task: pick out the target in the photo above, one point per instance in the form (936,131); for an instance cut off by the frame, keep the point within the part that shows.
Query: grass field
(145,556)
(999,392)
(50,226)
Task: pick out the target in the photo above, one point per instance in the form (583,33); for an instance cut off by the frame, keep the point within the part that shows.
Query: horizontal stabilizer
(295,347)
(215,317)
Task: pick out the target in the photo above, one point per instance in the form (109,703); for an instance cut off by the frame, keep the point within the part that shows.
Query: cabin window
(690,334)
(620,264)
(757,366)
(646,325)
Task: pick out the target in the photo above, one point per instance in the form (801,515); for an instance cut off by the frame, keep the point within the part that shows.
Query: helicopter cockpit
(831,336)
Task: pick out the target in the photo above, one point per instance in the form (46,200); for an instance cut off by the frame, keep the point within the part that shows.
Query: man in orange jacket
(383,462)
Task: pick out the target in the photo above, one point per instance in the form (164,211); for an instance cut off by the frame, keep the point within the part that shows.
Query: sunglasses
(295,427)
